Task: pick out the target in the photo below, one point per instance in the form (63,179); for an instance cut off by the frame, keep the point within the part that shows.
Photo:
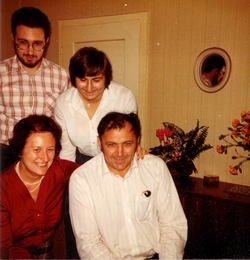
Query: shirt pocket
(143,208)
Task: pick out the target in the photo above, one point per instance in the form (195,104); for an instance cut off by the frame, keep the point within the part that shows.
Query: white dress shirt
(112,218)
(81,131)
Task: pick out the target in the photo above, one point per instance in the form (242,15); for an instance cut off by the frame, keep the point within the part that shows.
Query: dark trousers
(6,157)
(71,251)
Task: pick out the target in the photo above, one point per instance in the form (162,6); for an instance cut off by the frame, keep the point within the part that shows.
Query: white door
(123,38)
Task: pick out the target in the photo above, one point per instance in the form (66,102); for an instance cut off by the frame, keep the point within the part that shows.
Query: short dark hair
(212,62)
(88,61)
(33,124)
(30,17)
(116,120)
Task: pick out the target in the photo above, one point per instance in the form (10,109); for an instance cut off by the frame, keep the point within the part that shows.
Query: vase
(178,176)
(181,169)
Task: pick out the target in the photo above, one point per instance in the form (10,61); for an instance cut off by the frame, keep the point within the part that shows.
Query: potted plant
(179,149)
(238,137)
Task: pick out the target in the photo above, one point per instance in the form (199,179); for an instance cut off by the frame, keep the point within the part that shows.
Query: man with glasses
(29,83)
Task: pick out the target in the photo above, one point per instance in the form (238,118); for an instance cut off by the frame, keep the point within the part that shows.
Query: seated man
(121,207)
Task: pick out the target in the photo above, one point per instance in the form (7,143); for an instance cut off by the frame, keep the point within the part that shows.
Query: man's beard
(30,64)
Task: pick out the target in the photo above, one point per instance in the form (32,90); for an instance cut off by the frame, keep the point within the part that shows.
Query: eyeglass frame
(29,44)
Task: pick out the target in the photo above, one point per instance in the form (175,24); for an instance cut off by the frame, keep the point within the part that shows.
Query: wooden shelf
(218,219)
(217,191)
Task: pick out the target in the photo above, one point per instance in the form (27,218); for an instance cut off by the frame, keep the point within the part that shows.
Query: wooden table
(218,219)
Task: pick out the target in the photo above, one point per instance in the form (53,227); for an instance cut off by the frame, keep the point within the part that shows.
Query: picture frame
(212,69)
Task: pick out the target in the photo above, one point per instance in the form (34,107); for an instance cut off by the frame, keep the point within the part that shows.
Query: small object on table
(211,178)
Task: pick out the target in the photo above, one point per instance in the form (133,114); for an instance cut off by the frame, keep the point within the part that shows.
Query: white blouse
(81,131)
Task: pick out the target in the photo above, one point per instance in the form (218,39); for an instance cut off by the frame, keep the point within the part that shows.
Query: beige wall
(178,31)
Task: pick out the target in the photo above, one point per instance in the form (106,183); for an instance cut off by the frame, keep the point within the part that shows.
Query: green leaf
(175,129)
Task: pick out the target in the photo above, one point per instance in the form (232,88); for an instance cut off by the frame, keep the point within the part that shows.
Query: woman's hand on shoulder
(140,152)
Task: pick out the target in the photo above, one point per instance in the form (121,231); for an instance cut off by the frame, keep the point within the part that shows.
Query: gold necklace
(27,183)
(35,188)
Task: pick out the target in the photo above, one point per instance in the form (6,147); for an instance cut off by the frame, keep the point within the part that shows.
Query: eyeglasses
(24,45)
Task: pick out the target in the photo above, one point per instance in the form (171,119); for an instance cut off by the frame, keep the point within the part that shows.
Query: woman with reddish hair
(32,189)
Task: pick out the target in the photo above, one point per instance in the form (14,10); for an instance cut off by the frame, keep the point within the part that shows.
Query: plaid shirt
(22,94)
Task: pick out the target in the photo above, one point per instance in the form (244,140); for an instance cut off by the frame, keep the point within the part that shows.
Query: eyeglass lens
(24,45)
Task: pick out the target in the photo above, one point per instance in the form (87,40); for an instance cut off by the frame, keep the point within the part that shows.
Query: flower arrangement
(179,149)
(239,136)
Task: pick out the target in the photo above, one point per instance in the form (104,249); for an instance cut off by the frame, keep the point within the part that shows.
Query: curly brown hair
(33,124)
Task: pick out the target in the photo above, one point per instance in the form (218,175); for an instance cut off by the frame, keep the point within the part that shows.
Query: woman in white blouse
(80,109)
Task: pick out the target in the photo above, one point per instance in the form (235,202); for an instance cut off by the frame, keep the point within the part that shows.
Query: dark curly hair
(89,61)
(33,124)
(30,17)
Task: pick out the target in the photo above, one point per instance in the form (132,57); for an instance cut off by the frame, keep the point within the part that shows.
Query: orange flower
(232,170)
(245,129)
(235,122)
(245,116)
(239,137)
(219,149)
(243,113)
(236,134)
(244,142)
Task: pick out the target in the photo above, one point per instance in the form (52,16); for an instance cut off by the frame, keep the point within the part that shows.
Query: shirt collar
(108,95)
(17,65)
(105,169)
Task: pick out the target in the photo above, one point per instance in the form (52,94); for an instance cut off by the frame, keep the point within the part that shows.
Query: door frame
(141,19)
